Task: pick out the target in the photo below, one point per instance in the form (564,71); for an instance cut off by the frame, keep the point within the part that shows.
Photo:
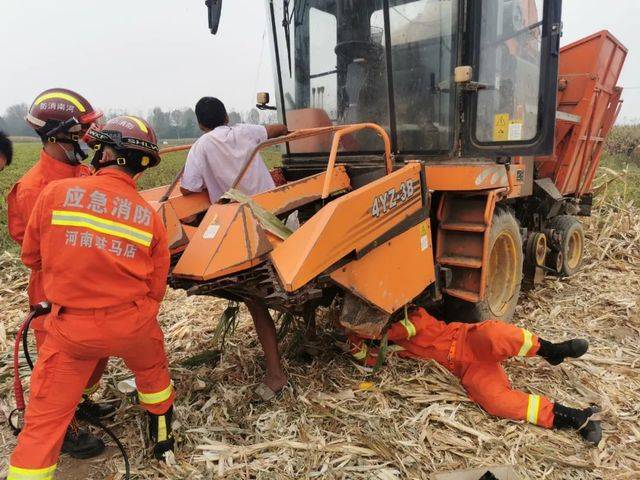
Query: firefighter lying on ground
(60,117)
(104,257)
(473,352)
(213,164)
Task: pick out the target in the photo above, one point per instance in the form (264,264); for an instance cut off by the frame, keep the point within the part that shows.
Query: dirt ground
(406,421)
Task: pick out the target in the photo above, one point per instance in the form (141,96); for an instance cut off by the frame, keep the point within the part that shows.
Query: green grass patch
(627,186)
(26,154)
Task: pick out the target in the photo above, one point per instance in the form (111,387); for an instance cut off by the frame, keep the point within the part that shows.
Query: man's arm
(31,254)
(20,203)
(276,130)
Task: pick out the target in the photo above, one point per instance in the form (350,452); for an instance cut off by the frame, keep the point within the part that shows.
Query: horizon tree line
(171,124)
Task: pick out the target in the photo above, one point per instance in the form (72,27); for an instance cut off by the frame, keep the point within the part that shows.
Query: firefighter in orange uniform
(60,117)
(104,257)
(473,352)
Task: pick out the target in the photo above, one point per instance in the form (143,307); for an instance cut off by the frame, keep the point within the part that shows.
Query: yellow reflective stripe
(62,95)
(361,354)
(17,473)
(153,398)
(527,343)
(138,122)
(409,327)
(102,225)
(162,428)
(533,409)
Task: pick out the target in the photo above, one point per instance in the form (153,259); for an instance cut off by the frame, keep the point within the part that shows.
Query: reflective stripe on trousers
(157,397)
(533,409)
(527,343)
(17,473)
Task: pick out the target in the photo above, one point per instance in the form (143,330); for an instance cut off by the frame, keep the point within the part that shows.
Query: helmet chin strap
(75,156)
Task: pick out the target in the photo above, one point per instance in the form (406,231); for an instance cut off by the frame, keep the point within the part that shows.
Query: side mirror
(262,101)
(214,8)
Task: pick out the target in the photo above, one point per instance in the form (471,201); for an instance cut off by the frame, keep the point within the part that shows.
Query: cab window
(508,102)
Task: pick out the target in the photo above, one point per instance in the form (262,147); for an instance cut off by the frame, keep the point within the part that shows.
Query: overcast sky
(137,54)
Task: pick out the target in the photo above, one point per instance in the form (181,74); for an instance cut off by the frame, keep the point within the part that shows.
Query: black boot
(79,443)
(96,410)
(555,353)
(160,433)
(566,417)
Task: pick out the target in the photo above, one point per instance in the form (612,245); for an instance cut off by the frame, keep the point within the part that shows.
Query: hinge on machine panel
(556,28)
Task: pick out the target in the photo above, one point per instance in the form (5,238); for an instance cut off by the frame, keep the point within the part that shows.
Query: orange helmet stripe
(63,96)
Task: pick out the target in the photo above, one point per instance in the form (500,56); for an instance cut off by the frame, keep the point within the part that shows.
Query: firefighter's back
(97,238)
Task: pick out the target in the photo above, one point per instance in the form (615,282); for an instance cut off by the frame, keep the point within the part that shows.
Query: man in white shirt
(213,164)
(217,157)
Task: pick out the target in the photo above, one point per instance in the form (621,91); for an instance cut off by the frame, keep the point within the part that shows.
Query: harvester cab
(421,164)
(444,78)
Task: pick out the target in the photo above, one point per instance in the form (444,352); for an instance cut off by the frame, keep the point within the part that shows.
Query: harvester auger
(491,137)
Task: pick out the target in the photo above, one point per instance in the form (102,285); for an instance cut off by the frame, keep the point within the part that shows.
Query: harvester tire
(571,245)
(503,276)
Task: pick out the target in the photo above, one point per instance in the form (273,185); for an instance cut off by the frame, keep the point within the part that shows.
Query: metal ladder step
(463,227)
(472,297)
(461,261)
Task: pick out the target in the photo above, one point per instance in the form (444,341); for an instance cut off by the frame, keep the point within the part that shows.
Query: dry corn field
(406,421)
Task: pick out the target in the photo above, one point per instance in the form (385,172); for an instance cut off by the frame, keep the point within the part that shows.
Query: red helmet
(125,134)
(57,112)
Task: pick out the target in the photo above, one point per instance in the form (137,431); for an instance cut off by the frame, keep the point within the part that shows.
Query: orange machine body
(589,102)
(400,231)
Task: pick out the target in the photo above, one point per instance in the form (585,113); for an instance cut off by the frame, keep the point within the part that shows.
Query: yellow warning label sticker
(424,239)
(515,130)
(501,127)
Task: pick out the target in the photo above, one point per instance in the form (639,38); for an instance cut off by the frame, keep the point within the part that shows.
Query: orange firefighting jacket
(420,336)
(25,192)
(424,336)
(97,241)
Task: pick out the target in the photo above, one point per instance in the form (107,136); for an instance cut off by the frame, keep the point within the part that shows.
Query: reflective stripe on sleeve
(153,398)
(102,225)
(409,327)
(17,473)
(527,343)
(533,409)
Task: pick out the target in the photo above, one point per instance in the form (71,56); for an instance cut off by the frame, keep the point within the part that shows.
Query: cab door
(509,107)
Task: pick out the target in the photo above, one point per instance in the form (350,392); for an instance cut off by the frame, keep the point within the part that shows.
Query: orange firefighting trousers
(37,326)
(473,353)
(76,341)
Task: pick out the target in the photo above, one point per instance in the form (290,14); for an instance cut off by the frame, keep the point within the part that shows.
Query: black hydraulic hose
(97,423)
(80,412)
(25,342)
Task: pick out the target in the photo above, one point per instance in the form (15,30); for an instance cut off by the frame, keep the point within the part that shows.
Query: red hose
(18,390)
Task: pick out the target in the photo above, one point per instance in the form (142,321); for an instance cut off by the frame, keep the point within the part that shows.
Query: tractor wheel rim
(501,278)
(574,250)
(541,249)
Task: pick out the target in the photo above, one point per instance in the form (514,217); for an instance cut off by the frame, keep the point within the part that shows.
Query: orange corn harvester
(589,102)
(429,162)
